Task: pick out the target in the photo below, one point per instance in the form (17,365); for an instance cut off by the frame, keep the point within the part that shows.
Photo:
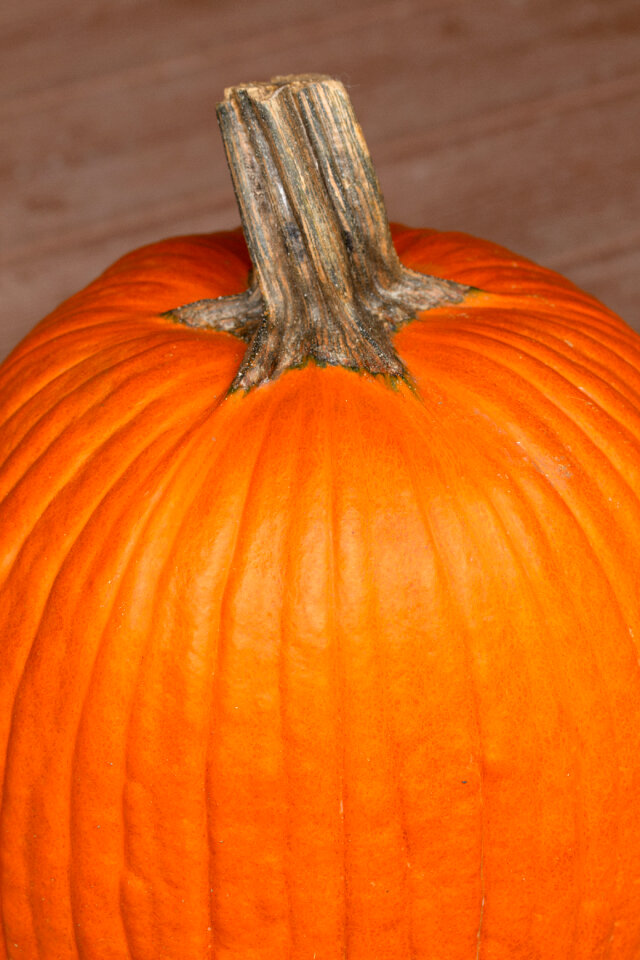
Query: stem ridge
(327,284)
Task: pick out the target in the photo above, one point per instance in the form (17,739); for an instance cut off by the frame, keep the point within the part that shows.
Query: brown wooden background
(517,120)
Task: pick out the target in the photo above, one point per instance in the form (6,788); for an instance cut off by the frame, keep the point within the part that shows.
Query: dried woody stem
(327,284)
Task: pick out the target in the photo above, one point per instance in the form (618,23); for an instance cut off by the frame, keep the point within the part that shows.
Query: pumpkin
(327,646)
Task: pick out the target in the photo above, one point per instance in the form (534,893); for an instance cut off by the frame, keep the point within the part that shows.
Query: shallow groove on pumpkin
(63,375)
(550,341)
(553,317)
(260,531)
(35,822)
(144,776)
(483,523)
(94,381)
(602,666)
(142,567)
(67,368)
(330,477)
(574,435)
(581,411)
(565,357)
(378,899)
(66,357)
(621,628)
(524,661)
(145,720)
(544,327)
(48,511)
(120,463)
(580,394)
(617,588)
(311,681)
(568,728)
(435,439)
(78,439)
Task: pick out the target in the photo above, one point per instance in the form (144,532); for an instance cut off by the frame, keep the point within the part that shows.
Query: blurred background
(515,120)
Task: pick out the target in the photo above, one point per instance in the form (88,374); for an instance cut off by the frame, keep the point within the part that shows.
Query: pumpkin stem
(327,284)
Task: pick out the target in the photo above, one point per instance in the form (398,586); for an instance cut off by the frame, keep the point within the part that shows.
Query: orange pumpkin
(334,666)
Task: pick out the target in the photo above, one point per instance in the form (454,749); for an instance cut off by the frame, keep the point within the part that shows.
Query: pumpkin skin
(327,669)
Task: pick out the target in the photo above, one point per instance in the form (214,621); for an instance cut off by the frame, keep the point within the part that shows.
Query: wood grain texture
(516,120)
